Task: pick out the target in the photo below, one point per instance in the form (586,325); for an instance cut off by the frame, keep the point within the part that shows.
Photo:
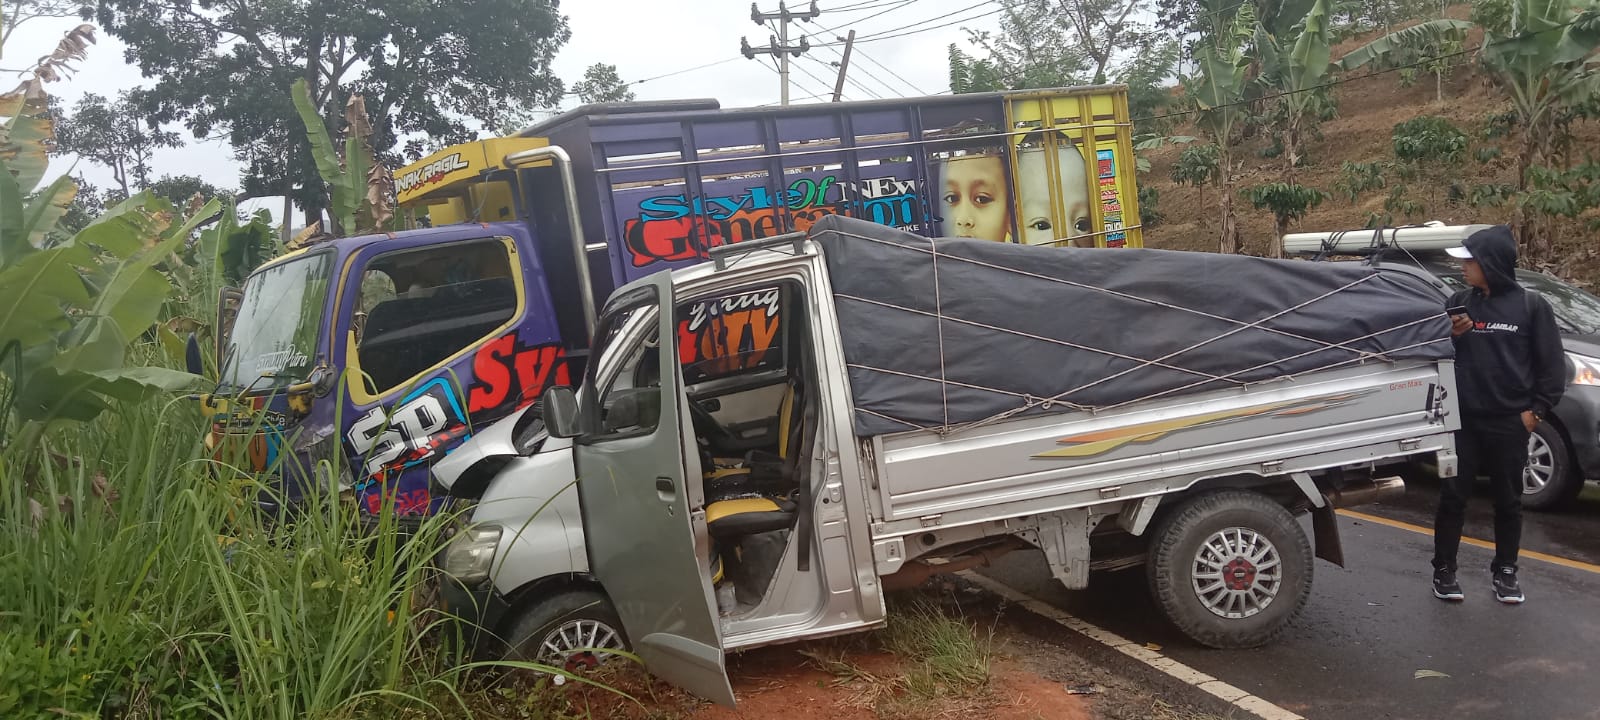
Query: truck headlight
(470,554)
(1585,370)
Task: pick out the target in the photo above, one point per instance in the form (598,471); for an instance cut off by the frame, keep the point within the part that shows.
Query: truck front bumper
(474,615)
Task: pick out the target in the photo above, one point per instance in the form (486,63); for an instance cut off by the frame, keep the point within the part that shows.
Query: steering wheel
(709,427)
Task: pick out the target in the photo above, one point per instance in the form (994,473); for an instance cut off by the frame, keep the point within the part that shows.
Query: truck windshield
(274,338)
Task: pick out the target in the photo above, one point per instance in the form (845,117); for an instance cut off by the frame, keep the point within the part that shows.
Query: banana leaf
(1416,38)
(34,293)
(48,208)
(25,135)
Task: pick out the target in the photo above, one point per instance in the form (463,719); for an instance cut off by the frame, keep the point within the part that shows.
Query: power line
(912,85)
(886,34)
(864,5)
(796,83)
(685,70)
(864,89)
(866,72)
(808,73)
(779,46)
(896,33)
(803,97)
(877,36)
(896,3)
(1004,6)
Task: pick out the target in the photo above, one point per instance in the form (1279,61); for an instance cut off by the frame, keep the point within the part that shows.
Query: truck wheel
(571,631)
(1230,569)
(1548,482)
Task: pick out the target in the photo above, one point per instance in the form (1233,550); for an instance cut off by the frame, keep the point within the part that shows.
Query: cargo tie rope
(1029,401)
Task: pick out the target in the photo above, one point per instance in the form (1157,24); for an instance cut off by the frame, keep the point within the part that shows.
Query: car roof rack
(1430,236)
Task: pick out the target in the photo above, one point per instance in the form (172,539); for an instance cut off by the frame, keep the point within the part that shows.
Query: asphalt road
(1369,628)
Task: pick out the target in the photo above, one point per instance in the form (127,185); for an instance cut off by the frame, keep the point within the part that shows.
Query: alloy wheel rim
(1237,572)
(1541,465)
(578,645)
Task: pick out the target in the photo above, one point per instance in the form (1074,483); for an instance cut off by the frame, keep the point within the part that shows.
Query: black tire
(1175,553)
(543,621)
(1551,480)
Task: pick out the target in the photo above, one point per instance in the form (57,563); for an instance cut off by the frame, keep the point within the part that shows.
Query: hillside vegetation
(1352,157)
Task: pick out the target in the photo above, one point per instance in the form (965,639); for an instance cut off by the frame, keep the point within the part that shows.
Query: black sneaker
(1506,589)
(1445,586)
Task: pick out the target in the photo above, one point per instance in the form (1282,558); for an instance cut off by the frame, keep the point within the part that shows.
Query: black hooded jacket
(1511,360)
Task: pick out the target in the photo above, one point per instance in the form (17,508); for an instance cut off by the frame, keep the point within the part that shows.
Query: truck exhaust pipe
(1378,489)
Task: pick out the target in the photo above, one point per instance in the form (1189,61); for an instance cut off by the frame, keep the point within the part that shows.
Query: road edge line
(1259,707)
(1556,560)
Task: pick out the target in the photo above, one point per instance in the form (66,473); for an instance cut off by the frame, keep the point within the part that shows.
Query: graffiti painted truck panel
(1048,167)
(402,345)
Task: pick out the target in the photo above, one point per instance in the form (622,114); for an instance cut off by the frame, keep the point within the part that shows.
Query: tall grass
(135,583)
(946,652)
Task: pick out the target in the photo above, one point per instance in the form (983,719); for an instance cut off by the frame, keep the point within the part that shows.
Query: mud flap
(1325,530)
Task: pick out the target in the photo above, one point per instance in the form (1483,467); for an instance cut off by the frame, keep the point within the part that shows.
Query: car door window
(731,335)
(419,308)
(627,399)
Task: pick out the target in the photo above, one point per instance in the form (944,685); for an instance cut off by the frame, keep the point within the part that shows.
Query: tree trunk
(1291,154)
(1291,145)
(1530,233)
(121,176)
(288,209)
(1230,223)
(1229,244)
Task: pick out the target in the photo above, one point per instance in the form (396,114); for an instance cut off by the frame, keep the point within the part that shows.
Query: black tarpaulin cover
(981,329)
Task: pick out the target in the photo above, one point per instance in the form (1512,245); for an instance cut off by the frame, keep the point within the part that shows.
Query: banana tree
(1292,50)
(1544,60)
(68,312)
(1294,54)
(360,187)
(1218,91)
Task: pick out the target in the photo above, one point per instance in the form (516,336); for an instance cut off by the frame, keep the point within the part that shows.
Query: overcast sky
(645,40)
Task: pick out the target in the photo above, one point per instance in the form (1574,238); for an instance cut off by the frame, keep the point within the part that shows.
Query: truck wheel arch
(519,600)
(1285,493)
(532,592)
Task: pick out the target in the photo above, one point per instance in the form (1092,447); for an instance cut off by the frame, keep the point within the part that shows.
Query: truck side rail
(1032,465)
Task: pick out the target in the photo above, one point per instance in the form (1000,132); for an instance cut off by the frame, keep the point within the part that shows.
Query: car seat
(754,497)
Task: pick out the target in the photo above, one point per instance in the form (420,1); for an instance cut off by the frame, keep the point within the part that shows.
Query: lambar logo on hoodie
(1487,327)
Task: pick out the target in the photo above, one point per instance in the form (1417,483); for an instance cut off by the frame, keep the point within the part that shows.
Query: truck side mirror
(191,356)
(560,411)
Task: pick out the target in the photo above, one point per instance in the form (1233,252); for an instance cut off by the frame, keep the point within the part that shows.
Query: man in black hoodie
(1510,371)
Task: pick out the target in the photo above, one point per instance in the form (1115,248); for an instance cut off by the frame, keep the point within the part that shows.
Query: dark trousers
(1493,445)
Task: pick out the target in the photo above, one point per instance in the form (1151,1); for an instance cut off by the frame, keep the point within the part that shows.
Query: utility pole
(779,46)
(844,65)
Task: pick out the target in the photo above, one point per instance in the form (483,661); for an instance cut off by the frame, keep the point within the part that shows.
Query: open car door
(643,503)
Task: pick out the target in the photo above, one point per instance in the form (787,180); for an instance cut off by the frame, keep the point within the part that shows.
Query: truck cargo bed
(1038,464)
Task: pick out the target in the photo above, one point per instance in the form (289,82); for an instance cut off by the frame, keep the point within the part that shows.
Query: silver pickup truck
(764,444)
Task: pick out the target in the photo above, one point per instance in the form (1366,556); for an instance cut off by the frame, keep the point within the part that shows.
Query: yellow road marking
(1475,542)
